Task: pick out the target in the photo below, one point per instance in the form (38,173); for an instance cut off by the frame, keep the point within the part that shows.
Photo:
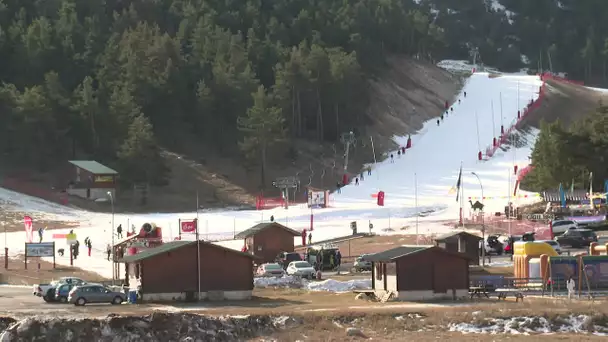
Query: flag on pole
(458,183)
(572,187)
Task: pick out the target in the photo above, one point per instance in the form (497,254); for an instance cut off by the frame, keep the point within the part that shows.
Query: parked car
(94,293)
(361,264)
(62,291)
(509,244)
(577,238)
(270,270)
(47,291)
(556,246)
(284,258)
(561,226)
(302,269)
(492,245)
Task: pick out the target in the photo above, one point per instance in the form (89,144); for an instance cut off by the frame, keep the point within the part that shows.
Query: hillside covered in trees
(569,155)
(116,80)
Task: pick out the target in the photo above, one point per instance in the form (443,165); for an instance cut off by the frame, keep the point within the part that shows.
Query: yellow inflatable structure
(531,259)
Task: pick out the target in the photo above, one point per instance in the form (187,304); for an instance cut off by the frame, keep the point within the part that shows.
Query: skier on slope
(441,117)
(398,153)
(458,101)
(392,160)
(437,122)
(465,94)
(402,150)
(451,109)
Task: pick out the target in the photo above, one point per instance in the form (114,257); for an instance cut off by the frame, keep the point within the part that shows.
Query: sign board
(43,249)
(104,179)
(286,182)
(188,226)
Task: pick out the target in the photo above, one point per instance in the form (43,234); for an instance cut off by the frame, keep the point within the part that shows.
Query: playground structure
(539,263)
(597,249)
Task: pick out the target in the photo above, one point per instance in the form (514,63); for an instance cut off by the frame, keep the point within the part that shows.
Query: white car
(556,246)
(270,270)
(47,291)
(561,226)
(302,269)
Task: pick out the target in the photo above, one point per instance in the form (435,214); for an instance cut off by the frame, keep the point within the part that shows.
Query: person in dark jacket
(89,246)
(465,94)
(109,251)
(437,122)
(338,187)
(119,231)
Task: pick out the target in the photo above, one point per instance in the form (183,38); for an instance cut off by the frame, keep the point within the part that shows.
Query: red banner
(269,203)
(29,228)
(187,226)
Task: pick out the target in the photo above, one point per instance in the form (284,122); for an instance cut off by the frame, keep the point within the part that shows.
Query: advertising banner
(29,228)
(188,226)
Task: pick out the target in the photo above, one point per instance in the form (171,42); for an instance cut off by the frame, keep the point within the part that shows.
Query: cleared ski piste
(435,158)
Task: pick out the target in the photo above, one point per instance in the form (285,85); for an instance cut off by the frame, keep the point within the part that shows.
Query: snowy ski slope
(435,158)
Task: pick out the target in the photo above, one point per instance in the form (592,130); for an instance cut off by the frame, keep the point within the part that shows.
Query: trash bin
(132,296)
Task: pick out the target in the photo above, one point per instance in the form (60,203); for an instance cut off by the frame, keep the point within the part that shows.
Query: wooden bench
(504,293)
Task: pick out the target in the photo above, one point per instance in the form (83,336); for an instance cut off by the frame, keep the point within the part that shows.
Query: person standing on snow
(89,246)
(109,251)
(369,170)
(437,122)
(392,161)
(458,101)
(402,150)
(465,94)
(357,181)
(451,109)
(40,233)
(398,153)
(119,231)
(570,285)
(338,186)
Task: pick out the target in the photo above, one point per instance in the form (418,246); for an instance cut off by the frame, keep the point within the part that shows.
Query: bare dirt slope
(566,102)
(403,97)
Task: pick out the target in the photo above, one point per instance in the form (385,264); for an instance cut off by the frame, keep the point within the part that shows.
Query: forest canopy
(116,80)
(568,156)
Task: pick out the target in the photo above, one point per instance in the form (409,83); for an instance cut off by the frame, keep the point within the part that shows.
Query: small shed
(461,242)
(91,180)
(266,240)
(420,273)
(168,272)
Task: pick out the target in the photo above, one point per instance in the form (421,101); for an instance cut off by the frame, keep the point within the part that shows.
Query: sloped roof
(93,167)
(261,226)
(396,253)
(174,245)
(456,233)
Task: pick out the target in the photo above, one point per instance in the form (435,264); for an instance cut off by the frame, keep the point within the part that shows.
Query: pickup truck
(47,291)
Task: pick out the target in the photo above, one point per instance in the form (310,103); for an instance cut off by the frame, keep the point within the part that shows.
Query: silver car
(94,293)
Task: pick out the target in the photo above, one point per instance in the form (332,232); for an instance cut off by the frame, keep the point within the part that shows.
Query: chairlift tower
(347,139)
(284,184)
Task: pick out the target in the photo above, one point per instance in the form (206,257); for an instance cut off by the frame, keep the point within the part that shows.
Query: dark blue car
(62,291)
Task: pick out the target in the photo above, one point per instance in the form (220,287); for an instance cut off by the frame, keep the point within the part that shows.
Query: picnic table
(479,291)
(504,293)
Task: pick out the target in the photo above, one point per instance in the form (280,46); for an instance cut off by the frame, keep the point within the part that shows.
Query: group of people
(448,109)
(400,151)
(360,177)
(334,260)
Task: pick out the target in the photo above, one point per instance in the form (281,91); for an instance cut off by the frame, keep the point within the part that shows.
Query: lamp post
(112,232)
(483,227)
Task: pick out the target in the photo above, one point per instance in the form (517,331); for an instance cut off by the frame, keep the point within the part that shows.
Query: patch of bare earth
(39,271)
(12,221)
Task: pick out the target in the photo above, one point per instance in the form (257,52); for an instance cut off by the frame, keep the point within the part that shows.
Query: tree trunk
(337,110)
(299,115)
(293,112)
(319,116)
(263,168)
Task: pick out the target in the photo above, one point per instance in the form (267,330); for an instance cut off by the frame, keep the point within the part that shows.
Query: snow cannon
(494,142)
(150,231)
(479,156)
(380,200)
(518,114)
(502,129)
(409,142)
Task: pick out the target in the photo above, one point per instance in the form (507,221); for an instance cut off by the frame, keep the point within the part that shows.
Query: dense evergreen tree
(80,77)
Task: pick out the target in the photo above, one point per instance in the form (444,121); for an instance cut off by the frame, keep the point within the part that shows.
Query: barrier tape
(504,197)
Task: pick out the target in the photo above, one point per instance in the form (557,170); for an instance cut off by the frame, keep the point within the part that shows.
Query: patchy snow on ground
(535,325)
(329,285)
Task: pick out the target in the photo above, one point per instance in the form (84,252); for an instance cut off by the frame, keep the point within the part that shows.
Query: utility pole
(112,231)
(198,251)
(347,139)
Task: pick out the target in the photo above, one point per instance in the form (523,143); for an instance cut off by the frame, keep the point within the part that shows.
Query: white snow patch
(329,285)
(531,325)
